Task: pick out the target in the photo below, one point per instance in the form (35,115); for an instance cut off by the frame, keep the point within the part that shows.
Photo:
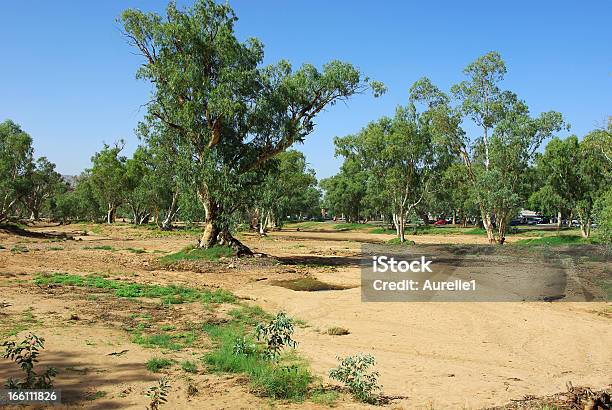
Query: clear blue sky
(67,75)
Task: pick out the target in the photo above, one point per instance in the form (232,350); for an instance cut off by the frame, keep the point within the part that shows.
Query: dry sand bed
(429,354)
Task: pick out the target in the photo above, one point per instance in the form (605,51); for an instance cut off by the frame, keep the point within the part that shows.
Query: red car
(440,222)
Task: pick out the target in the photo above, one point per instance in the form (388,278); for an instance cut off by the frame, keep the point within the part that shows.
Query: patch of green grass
(157,363)
(98,395)
(288,378)
(324,397)
(170,294)
(352,226)
(556,240)
(166,328)
(135,250)
(249,315)
(167,341)
(606,286)
(189,366)
(19,249)
(55,248)
(195,254)
(396,241)
(24,322)
(99,248)
(383,230)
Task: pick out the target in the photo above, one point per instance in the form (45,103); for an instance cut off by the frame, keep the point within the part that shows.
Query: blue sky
(67,75)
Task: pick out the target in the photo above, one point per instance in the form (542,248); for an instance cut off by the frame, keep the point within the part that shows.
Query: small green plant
(354,373)
(189,366)
(25,354)
(244,347)
(276,334)
(135,250)
(157,363)
(158,394)
(19,249)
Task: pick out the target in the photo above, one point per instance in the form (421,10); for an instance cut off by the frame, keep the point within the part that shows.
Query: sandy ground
(430,354)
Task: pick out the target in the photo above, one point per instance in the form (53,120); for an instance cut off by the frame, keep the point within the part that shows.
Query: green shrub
(276,335)
(286,378)
(189,366)
(354,373)
(25,354)
(157,363)
(195,254)
(158,395)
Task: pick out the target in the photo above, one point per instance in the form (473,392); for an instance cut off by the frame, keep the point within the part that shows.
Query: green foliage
(603,215)
(345,192)
(25,354)
(167,341)
(398,241)
(496,163)
(289,189)
(243,346)
(324,397)
(553,240)
(189,366)
(100,248)
(158,395)
(276,335)
(354,372)
(235,351)
(15,165)
(108,178)
(19,249)
(194,254)
(226,113)
(279,380)
(170,294)
(156,364)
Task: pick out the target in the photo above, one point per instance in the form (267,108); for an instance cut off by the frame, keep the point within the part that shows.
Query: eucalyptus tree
(15,163)
(231,113)
(595,178)
(401,158)
(559,175)
(497,161)
(42,183)
(289,189)
(345,192)
(107,179)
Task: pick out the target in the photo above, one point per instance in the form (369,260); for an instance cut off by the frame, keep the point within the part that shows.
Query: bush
(276,334)
(189,366)
(156,364)
(284,379)
(158,394)
(353,373)
(25,354)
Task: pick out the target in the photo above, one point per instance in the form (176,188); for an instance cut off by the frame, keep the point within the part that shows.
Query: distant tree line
(219,127)
(423,162)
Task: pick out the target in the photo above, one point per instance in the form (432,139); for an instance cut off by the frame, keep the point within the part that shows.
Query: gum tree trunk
(215,233)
